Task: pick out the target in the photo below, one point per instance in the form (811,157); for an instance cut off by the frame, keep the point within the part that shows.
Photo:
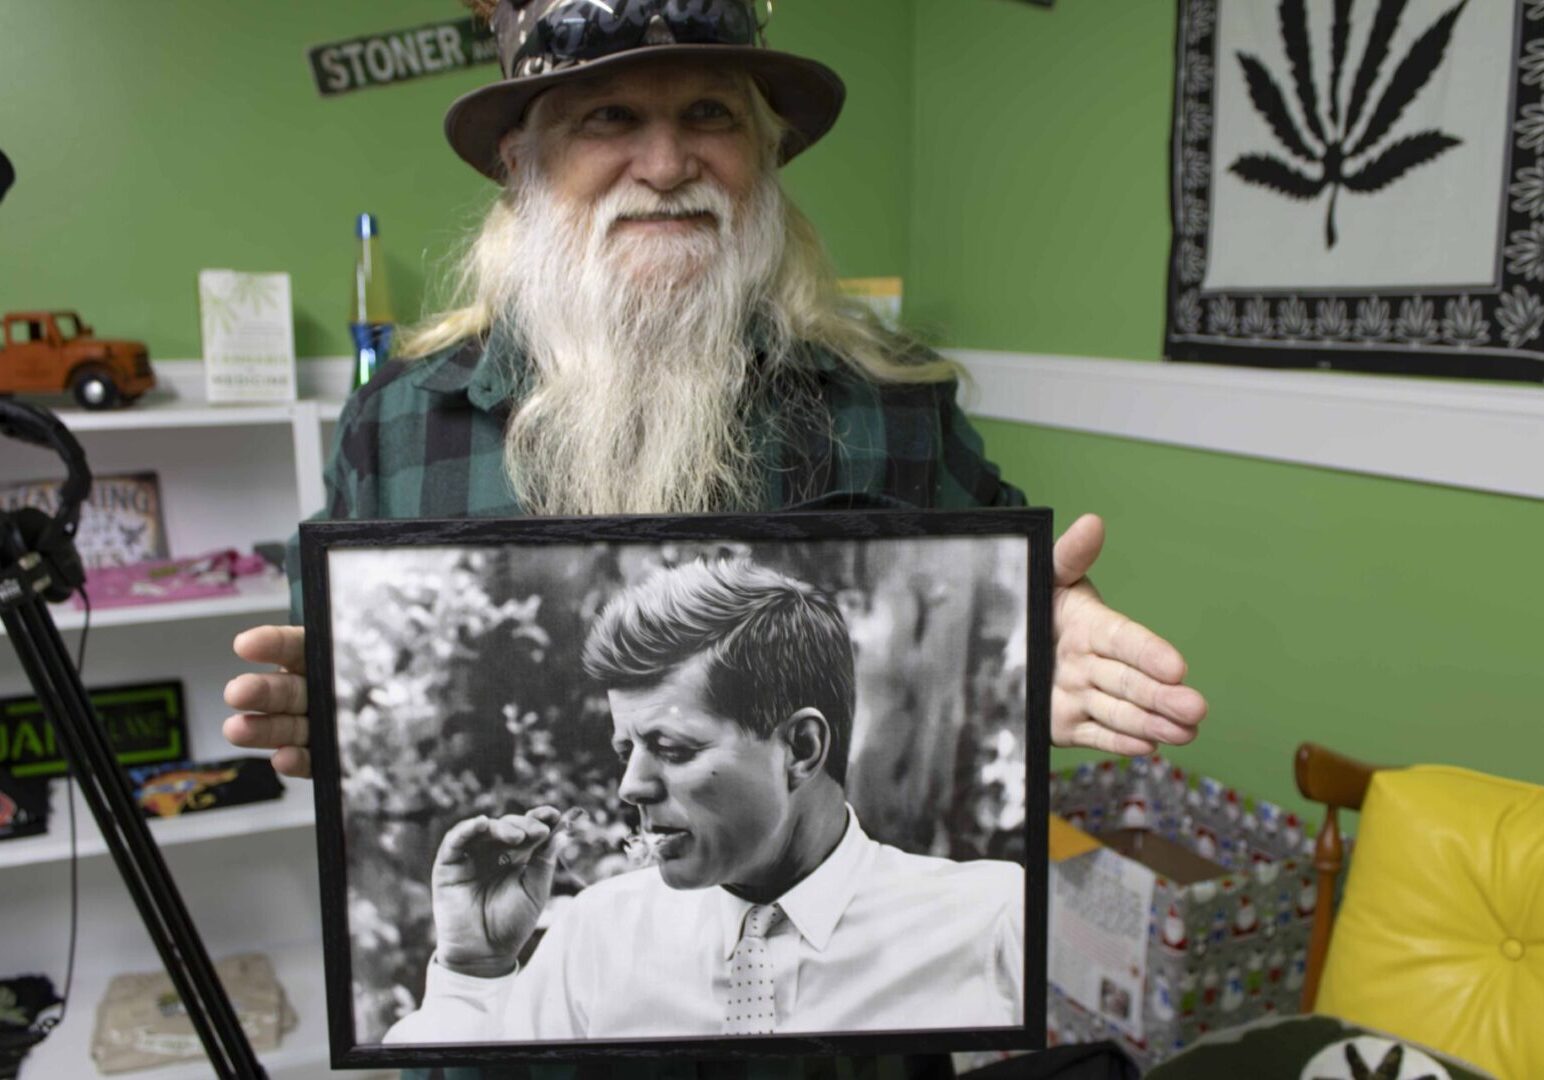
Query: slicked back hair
(774,644)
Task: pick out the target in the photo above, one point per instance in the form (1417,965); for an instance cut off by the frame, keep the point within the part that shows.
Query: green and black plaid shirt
(424,439)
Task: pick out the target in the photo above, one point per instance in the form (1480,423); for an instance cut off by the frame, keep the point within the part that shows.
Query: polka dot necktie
(752,994)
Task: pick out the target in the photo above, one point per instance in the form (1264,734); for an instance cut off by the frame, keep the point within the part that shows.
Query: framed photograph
(707,786)
(1358,186)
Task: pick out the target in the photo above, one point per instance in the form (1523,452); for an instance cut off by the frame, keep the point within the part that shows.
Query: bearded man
(648,325)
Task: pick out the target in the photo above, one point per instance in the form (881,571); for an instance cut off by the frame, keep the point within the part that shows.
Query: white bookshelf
(302,1054)
(164,408)
(231,476)
(295,810)
(267,595)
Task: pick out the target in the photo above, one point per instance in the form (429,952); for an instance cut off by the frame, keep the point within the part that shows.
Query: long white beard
(639,367)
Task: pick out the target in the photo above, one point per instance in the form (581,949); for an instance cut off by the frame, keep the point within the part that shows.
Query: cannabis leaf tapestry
(1359,184)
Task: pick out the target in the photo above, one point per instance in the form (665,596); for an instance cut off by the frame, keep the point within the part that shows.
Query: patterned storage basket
(1221,950)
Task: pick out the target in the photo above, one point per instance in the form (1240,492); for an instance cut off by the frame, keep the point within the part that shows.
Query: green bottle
(371,321)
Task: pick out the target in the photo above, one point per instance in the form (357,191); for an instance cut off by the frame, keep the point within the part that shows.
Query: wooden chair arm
(1340,783)
(1325,776)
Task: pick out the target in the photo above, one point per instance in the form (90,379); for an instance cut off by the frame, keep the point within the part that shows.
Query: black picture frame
(799,534)
(1491,329)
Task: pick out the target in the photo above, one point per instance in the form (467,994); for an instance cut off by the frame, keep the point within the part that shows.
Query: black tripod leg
(106,790)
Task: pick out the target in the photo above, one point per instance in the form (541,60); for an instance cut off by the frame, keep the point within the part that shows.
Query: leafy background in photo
(458,693)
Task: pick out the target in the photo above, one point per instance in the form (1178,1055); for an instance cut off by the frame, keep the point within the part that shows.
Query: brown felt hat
(805,93)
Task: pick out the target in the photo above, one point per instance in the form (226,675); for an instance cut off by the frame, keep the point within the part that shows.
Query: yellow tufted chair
(1440,934)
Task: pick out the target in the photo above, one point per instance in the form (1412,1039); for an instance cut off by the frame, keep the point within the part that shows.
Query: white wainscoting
(1486,437)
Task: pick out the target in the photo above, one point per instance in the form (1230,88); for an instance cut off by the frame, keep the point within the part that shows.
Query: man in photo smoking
(764,907)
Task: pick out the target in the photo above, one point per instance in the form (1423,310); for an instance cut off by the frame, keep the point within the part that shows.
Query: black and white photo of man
(763,907)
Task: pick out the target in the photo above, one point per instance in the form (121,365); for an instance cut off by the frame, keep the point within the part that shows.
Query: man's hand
(492,877)
(273,706)
(1117,685)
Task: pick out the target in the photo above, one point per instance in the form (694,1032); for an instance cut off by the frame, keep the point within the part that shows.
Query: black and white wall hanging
(1359,184)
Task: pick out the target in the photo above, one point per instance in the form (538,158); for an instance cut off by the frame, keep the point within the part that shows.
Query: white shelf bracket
(306,428)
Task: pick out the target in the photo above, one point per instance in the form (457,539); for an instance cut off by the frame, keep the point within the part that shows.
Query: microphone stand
(57,685)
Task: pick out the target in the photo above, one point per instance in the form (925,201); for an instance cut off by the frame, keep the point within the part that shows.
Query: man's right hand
(492,877)
(273,704)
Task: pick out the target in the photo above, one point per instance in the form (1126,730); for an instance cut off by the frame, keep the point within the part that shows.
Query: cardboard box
(1178,907)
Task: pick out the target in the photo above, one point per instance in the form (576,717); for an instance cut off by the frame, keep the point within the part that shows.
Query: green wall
(1040,212)
(1396,621)
(156,138)
(1010,160)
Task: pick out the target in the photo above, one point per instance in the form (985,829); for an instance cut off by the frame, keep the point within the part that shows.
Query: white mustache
(632,202)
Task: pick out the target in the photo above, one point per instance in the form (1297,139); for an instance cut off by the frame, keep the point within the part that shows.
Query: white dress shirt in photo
(874,939)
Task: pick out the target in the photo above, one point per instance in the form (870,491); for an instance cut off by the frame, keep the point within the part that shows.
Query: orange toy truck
(49,352)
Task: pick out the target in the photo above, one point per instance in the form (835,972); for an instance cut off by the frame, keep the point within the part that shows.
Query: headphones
(28,529)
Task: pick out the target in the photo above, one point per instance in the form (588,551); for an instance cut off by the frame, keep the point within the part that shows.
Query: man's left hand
(1118,686)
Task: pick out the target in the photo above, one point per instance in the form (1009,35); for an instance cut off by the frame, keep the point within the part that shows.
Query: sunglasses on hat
(574,31)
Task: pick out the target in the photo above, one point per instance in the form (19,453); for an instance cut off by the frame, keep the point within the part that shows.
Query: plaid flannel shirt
(425,439)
